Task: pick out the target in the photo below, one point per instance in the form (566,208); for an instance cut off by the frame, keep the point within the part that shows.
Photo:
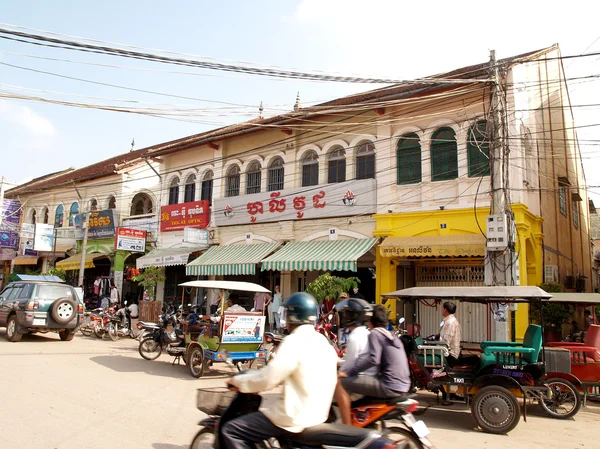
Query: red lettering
(276,205)
(317,204)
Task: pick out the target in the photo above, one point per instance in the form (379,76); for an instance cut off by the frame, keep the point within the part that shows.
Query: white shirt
(133,308)
(358,345)
(306,367)
(114,295)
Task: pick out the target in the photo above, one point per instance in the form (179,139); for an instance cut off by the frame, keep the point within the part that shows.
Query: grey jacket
(387,352)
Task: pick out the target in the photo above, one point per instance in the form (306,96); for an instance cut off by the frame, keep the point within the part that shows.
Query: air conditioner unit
(550,273)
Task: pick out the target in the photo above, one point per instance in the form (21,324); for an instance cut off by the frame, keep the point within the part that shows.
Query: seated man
(386,352)
(451,333)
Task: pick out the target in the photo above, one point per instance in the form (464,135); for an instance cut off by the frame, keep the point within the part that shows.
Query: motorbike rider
(386,352)
(355,313)
(306,367)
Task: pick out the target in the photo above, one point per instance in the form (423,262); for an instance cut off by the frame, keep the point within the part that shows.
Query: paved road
(93,394)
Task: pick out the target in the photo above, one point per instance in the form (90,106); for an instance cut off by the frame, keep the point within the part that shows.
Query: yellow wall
(460,222)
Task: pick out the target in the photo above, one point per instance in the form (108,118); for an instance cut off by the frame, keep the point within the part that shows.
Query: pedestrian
(114,295)
(356,294)
(261,301)
(275,306)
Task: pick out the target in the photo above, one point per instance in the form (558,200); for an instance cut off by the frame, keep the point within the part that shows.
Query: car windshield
(54,291)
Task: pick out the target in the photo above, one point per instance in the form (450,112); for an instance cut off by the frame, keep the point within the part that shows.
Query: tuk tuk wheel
(195,361)
(564,400)
(495,409)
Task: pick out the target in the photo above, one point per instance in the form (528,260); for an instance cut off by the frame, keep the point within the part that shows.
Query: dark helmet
(300,308)
(354,311)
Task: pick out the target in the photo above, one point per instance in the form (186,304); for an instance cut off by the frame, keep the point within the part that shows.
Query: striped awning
(230,259)
(166,257)
(329,255)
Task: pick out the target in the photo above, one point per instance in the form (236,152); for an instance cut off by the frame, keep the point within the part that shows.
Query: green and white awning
(230,259)
(329,255)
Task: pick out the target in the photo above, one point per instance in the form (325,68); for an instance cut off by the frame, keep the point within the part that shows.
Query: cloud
(32,122)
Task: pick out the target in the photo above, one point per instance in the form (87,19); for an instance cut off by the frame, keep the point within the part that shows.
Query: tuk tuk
(230,336)
(504,371)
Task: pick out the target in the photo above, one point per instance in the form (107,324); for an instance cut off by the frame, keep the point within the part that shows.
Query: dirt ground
(99,394)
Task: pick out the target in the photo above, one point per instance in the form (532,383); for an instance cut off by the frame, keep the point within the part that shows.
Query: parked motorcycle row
(107,322)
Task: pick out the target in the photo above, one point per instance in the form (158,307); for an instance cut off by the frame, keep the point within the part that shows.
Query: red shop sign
(127,232)
(195,214)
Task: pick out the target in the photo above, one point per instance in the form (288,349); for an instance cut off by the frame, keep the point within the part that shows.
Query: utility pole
(86,226)
(500,264)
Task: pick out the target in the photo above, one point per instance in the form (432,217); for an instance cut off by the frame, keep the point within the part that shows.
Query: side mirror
(401,320)
(330,316)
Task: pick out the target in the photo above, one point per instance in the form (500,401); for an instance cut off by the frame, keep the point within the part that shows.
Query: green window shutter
(408,160)
(478,150)
(444,155)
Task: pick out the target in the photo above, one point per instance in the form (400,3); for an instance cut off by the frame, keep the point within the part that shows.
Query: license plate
(39,322)
(421,429)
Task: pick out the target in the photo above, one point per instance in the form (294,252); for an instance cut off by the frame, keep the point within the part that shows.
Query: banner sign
(11,215)
(341,199)
(30,252)
(243,328)
(44,237)
(197,236)
(148,224)
(101,224)
(131,240)
(9,239)
(175,217)
(27,231)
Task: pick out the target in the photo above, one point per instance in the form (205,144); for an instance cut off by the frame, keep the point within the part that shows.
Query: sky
(384,38)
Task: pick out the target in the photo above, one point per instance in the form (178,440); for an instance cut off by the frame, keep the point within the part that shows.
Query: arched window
(310,169)
(46,215)
(478,150)
(33,216)
(275,175)
(207,187)
(93,204)
(336,169)
(112,203)
(141,204)
(253,178)
(444,155)
(59,216)
(408,160)
(190,189)
(233,181)
(365,161)
(74,210)
(174,191)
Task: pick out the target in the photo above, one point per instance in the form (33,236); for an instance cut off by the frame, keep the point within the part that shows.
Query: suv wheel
(66,335)
(63,310)
(13,330)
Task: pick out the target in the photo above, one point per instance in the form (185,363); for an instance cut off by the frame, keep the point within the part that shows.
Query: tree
(57,272)
(328,286)
(149,278)
(554,314)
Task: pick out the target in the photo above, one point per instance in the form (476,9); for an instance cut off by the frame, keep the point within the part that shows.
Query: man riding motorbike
(306,367)
(386,352)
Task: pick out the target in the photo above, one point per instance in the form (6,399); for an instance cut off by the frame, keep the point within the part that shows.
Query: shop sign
(9,239)
(431,250)
(148,224)
(131,240)
(243,329)
(175,217)
(196,236)
(7,254)
(44,236)
(101,224)
(30,252)
(330,200)
(11,215)
(162,261)
(27,231)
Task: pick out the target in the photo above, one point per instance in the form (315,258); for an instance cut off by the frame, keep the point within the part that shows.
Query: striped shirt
(451,333)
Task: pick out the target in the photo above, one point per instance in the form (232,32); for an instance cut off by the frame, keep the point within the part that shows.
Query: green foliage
(554,314)
(57,272)
(328,286)
(149,278)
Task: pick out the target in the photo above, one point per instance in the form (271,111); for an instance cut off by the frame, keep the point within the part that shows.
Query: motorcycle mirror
(330,316)
(442,323)
(401,320)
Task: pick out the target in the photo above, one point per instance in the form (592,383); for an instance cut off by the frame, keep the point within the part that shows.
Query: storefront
(447,248)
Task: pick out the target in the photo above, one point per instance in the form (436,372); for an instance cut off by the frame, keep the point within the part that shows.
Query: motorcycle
(157,340)
(223,405)
(326,328)
(116,328)
(102,319)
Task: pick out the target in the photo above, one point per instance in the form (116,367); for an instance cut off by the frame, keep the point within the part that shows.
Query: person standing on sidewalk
(275,306)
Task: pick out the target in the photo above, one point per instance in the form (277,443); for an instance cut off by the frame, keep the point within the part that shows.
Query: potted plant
(554,314)
(149,278)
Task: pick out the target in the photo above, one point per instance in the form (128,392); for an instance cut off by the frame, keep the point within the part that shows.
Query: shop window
(141,204)
(174,191)
(365,161)
(253,178)
(562,200)
(233,181)
(408,160)
(444,155)
(46,215)
(310,170)
(575,212)
(73,211)
(59,216)
(207,188)
(190,189)
(478,150)
(275,175)
(336,168)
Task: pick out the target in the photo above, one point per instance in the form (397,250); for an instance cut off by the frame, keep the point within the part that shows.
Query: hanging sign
(131,240)
(101,224)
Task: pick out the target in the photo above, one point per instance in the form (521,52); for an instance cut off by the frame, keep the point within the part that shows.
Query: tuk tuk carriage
(229,336)
(503,372)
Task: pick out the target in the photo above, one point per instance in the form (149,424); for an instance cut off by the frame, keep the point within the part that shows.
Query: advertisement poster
(101,224)
(243,329)
(44,235)
(11,215)
(9,239)
(131,240)
(175,217)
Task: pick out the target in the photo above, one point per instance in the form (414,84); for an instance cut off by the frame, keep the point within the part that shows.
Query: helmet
(300,308)
(354,311)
